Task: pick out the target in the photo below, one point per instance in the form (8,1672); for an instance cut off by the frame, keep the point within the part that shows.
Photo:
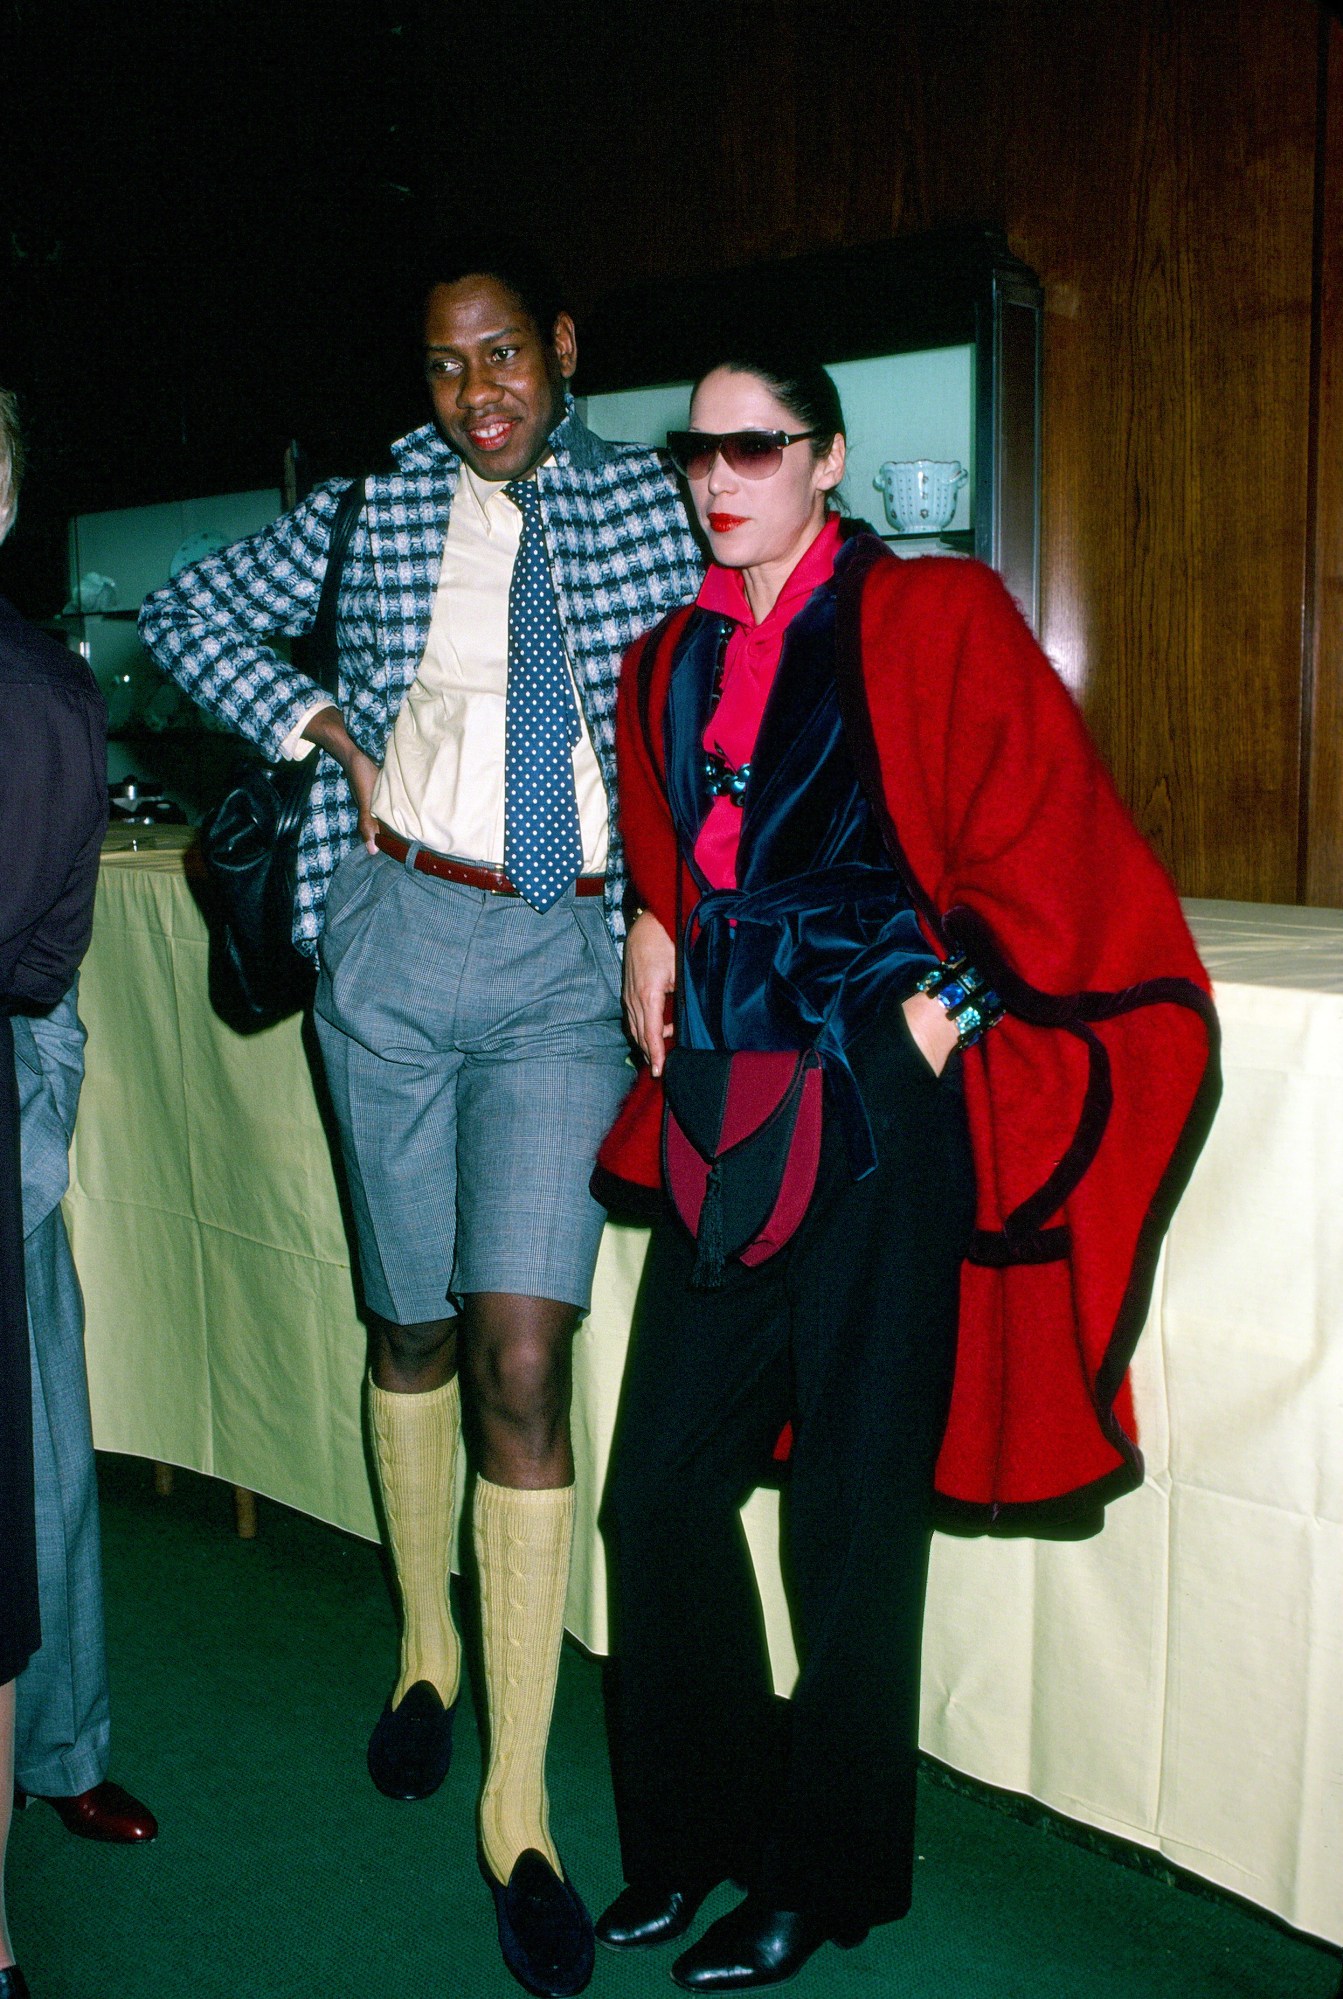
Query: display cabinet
(934,342)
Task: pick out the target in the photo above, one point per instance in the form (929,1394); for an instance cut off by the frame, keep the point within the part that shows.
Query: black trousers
(849,1332)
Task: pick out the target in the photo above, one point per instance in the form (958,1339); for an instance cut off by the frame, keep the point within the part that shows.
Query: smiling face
(759,523)
(496,382)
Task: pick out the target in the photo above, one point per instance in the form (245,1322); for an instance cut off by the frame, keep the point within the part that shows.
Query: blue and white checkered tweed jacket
(621,555)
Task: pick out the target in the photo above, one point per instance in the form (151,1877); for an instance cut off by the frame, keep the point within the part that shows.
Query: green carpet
(245,1678)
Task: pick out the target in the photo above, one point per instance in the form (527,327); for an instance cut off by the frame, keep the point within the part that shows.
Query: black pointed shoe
(411,1745)
(640,1918)
(545,1933)
(13,1984)
(754,1945)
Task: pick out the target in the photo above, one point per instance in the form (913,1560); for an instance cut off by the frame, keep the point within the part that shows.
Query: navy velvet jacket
(821,930)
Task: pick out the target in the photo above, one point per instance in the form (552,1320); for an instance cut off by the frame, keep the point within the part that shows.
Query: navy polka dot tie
(543,849)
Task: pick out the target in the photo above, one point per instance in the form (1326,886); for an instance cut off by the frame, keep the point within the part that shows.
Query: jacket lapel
(689,694)
(788,745)
(407,526)
(574,561)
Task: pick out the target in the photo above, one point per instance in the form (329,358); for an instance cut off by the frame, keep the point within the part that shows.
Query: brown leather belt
(493,880)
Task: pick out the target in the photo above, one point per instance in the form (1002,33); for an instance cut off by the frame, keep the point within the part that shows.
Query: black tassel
(708,1272)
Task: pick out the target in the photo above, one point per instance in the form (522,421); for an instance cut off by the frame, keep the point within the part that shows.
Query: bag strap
(324,656)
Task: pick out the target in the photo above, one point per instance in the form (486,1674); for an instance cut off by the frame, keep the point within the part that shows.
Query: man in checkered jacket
(471,1032)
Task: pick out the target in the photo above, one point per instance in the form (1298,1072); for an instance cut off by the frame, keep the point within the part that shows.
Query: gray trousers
(61,1705)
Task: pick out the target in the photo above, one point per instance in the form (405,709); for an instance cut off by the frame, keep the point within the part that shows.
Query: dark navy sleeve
(53,813)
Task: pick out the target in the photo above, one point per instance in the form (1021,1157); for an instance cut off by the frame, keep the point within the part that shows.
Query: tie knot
(524,495)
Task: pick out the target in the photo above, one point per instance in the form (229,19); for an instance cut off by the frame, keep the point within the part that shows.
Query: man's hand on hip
(327,729)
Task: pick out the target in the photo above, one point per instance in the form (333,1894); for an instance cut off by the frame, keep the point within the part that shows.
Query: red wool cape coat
(1088,1103)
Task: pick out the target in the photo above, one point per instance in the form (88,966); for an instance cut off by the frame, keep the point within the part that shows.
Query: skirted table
(1177,1681)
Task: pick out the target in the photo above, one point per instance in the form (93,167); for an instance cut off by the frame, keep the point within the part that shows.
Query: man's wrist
(298,744)
(327,729)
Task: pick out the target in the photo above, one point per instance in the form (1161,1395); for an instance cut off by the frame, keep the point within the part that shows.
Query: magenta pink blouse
(753,654)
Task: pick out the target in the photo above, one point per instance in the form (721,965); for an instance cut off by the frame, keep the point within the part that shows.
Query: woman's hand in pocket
(649,981)
(932,1030)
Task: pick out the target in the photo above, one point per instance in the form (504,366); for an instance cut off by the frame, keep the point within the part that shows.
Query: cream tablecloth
(1178,1681)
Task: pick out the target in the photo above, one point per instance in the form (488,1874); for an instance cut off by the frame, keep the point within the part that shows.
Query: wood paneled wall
(1173,170)
(1321,859)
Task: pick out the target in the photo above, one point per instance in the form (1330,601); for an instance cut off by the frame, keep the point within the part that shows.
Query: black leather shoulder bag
(249,844)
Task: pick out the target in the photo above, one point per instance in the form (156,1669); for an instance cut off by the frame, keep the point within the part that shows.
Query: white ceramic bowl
(920,493)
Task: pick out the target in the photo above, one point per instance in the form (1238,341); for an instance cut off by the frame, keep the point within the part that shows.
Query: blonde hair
(11,460)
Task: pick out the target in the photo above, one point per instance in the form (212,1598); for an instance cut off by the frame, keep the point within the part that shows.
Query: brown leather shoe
(106,1812)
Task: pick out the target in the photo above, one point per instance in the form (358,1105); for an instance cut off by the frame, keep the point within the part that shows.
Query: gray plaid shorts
(476,1059)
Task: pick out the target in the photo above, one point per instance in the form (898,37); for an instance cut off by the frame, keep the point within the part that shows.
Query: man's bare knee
(517,1357)
(521,1377)
(412,1358)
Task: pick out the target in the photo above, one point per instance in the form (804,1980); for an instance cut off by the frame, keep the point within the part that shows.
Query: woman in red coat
(870,837)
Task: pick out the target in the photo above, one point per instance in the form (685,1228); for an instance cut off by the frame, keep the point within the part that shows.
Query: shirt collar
(483,493)
(724,591)
(476,492)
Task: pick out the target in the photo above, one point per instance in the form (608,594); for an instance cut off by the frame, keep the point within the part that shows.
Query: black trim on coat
(626,1200)
(1137,1298)
(995,1250)
(1072,1516)
(860,553)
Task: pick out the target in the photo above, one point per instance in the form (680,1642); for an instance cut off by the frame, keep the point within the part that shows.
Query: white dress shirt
(442,780)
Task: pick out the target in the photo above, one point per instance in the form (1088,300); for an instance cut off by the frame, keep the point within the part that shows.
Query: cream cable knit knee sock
(415,1446)
(522,1547)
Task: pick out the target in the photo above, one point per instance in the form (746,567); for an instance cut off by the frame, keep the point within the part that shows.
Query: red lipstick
(724,523)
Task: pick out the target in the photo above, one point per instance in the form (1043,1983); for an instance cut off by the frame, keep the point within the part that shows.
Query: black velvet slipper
(545,1933)
(411,1746)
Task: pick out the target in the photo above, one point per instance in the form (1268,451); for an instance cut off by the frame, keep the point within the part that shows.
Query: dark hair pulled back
(799,382)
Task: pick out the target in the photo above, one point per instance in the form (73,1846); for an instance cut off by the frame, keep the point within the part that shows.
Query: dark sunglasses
(752,453)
